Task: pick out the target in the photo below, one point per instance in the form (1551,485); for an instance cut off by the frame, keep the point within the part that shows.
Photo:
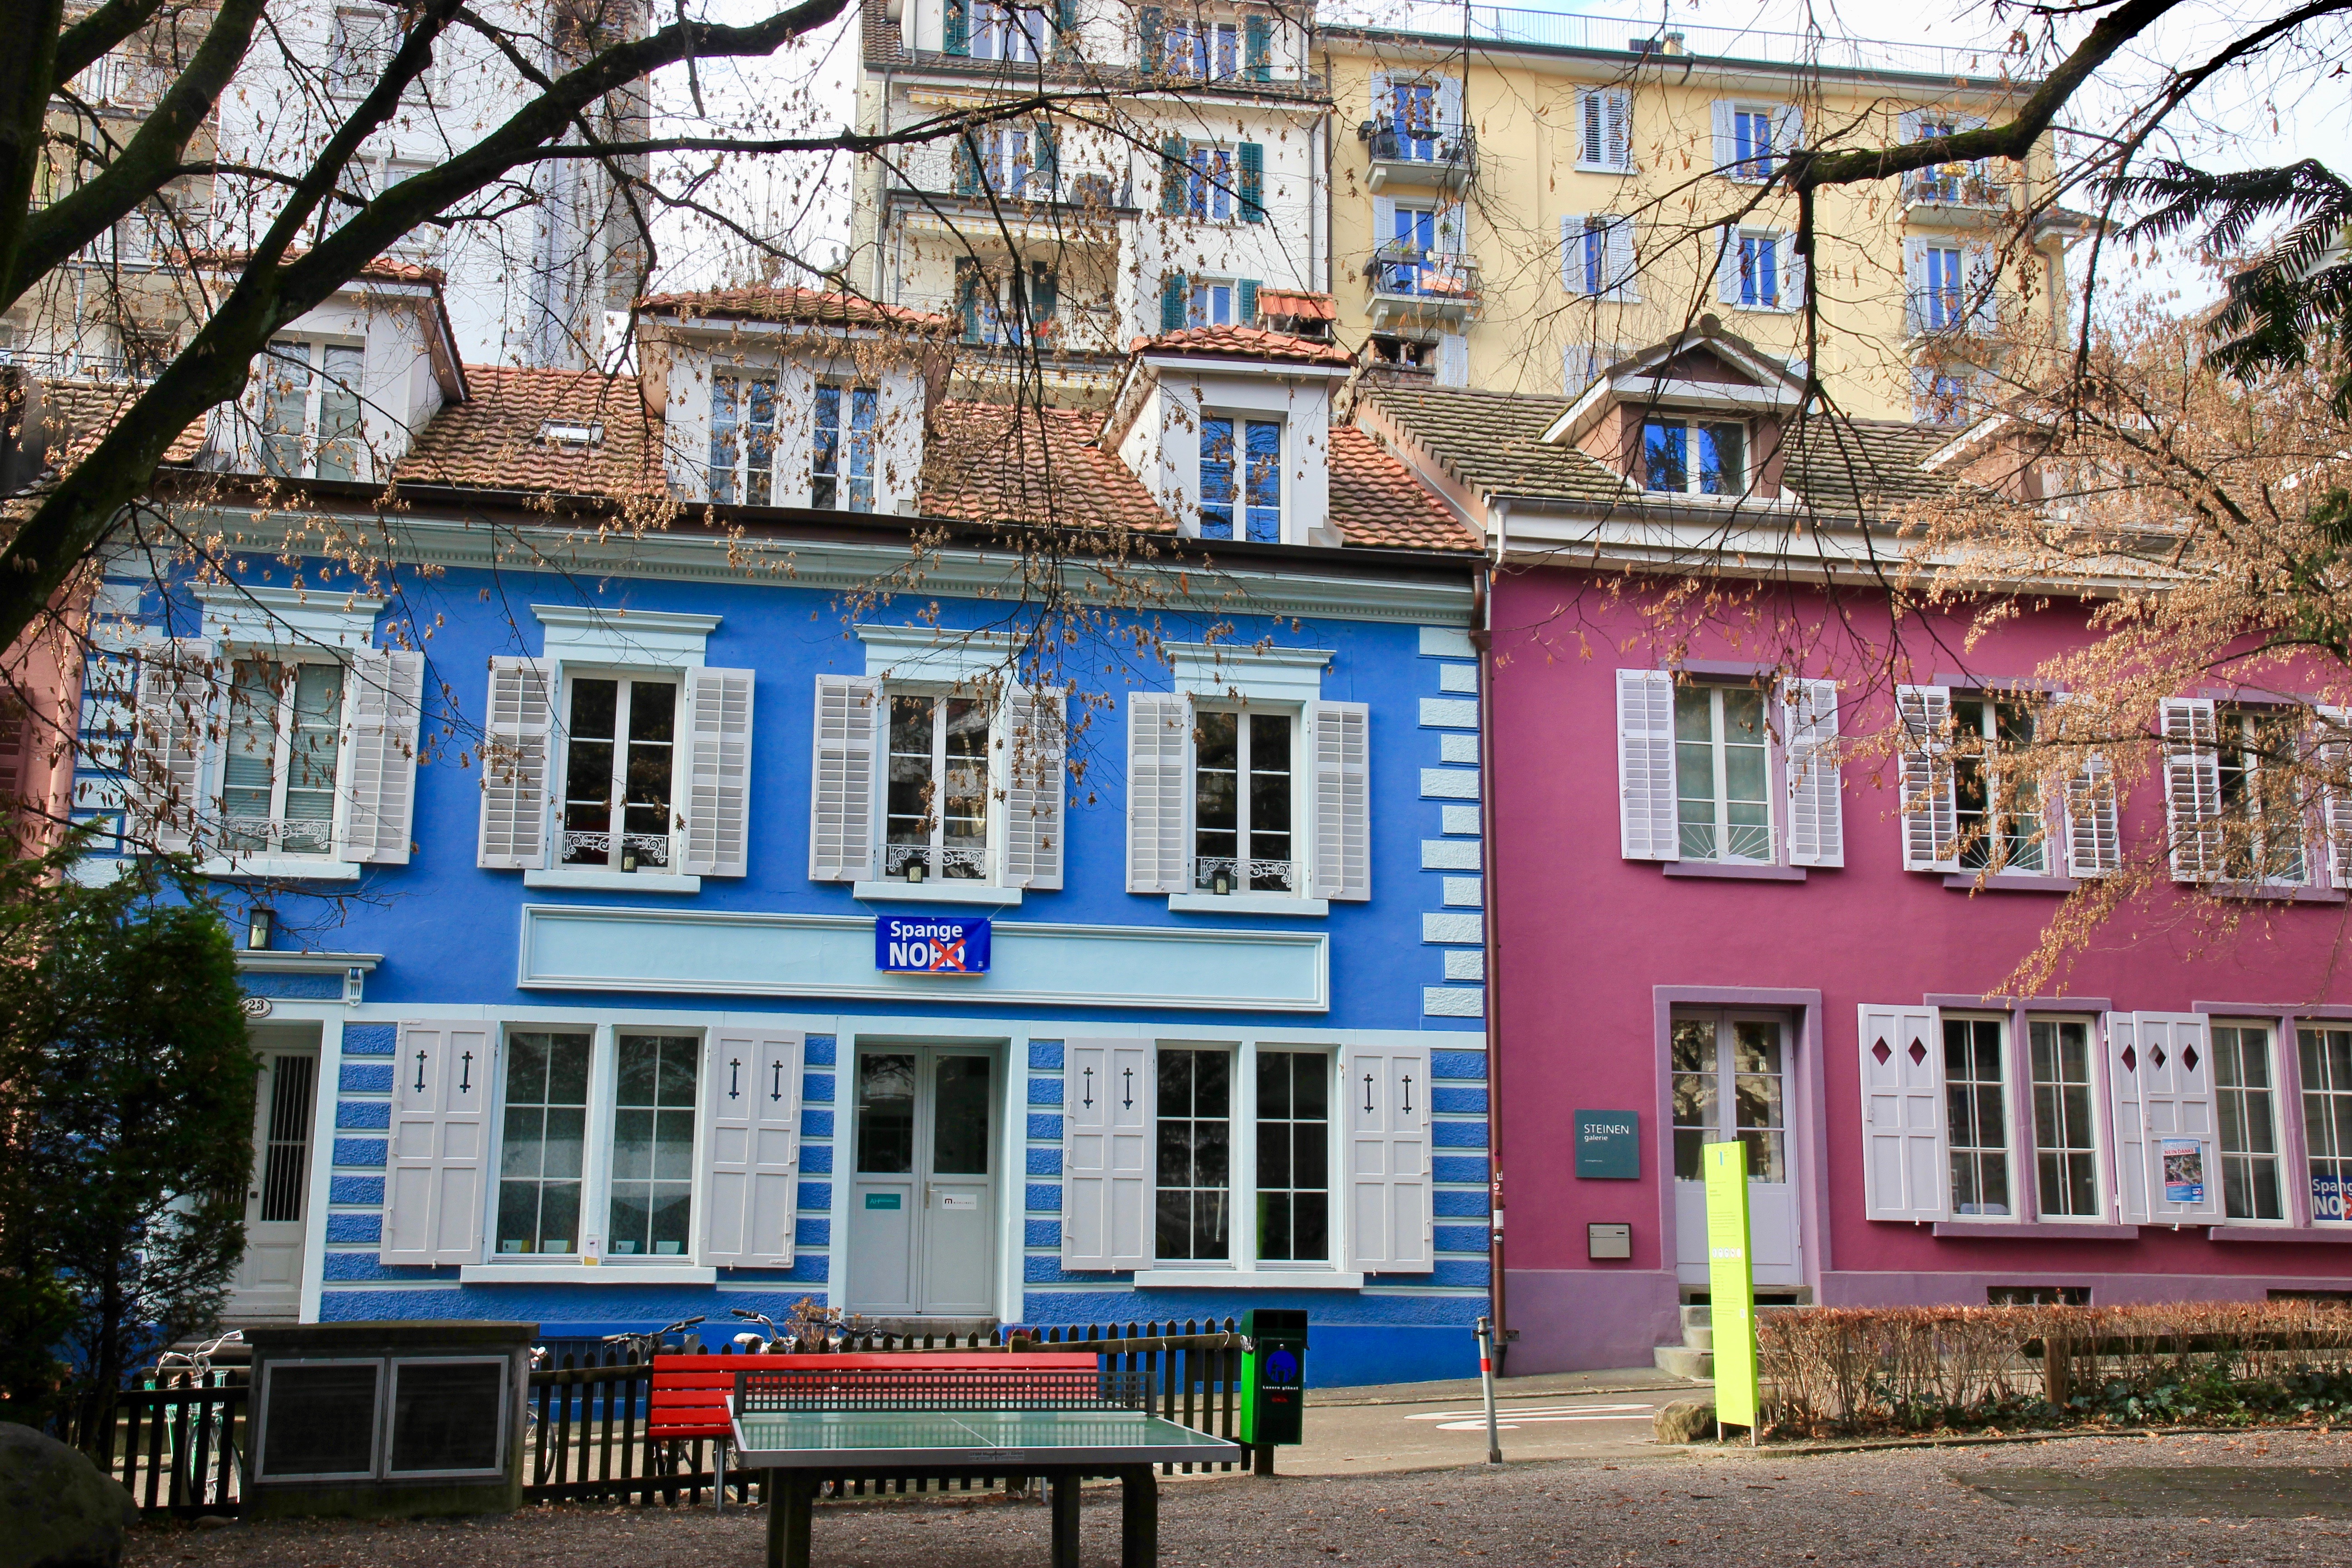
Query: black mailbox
(1274,1376)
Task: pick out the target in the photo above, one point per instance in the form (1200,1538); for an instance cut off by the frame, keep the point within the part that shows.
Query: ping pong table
(1060,1425)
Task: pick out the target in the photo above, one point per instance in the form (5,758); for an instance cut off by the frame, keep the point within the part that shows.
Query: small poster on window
(2184,1171)
(2329,1196)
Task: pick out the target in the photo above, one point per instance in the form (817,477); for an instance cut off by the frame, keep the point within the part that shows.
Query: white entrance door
(276,1202)
(1731,1075)
(923,1201)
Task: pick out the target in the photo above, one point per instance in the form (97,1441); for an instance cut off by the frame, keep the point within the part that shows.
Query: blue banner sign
(930,944)
(1608,1145)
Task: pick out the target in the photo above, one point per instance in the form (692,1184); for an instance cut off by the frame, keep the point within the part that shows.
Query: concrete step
(1698,1339)
(1680,1361)
(1697,1317)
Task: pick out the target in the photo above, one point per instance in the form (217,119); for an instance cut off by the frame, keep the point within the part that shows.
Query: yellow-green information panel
(1730,1285)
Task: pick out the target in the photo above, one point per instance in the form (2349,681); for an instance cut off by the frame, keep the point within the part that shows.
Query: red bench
(690,1391)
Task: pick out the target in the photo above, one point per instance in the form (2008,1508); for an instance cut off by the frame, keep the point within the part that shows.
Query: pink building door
(1730,1080)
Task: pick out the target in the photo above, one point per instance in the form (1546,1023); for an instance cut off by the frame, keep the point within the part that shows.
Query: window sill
(1717,871)
(1247,904)
(282,868)
(605,1273)
(2035,1230)
(935,893)
(2337,1234)
(1246,1279)
(2276,892)
(2010,882)
(612,881)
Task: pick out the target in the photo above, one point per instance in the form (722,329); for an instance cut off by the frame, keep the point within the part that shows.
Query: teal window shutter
(1171,301)
(1257,47)
(1044,295)
(1253,181)
(959,26)
(968,284)
(1048,175)
(967,166)
(1065,29)
(1175,176)
(1149,34)
(1246,305)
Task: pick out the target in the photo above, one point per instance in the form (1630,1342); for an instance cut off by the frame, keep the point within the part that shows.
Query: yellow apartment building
(1522,198)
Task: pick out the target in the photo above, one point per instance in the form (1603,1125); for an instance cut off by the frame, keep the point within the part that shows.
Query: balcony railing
(1442,281)
(1244,876)
(597,848)
(951,864)
(1954,185)
(1419,155)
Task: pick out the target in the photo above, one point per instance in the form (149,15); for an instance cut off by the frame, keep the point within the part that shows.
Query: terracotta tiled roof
(1243,343)
(1296,303)
(382,270)
(80,412)
(495,439)
(815,306)
(1377,503)
(993,463)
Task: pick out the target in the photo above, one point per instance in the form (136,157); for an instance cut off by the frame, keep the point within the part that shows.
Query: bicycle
(662,1460)
(754,1344)
(194,1369)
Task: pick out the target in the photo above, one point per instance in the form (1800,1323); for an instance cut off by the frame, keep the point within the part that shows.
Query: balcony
(1414,283)
(1957,196)
(1403,157)
(649,850)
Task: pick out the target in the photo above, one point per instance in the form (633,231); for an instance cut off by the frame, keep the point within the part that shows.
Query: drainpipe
(1482,639)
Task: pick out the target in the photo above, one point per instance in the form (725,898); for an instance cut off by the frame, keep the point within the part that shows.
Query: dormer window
(841,458)
(1241,462)
(742,438)
(310,410)
(1014,33)
(1699,457)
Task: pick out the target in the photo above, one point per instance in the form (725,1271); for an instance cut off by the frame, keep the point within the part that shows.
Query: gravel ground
(2125,1500)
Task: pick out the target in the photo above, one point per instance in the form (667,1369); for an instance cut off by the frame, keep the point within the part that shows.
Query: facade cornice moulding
(846,565)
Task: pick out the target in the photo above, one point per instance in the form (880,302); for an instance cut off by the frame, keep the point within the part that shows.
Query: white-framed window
(620,773)
(2246,1106)
(359,44)
(936,803)
(1943,395)
(309,407)
(280,755)
(1597,258)
(596,1145)
(2002,824)
(742,437)
(1014,158)
(1294,1156)
(1209,182)
(2066,1126)
(2325,1057)
(2261,806)
(1950,286)
(1954,180)
(1193,1178)
(1752,142)
(1604,121)
(1212,302)
(1241,479)
(1018,33)
(960,783)
(1201,47)
(1695,456)
(1976,1115)
(1244,801)
(841,456)
(1722,801)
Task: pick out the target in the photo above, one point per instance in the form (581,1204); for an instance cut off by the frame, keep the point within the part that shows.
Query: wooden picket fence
(179,1448)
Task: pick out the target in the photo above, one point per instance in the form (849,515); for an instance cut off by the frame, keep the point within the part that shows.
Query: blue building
(574,819)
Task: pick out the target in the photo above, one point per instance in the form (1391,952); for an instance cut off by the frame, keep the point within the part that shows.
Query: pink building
(1703,926)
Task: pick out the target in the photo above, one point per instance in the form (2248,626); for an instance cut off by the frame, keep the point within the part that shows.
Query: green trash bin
(1274,1378)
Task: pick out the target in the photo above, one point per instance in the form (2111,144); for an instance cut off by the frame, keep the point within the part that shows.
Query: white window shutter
(1110,1112)
(844,778)
(2093,835)
(718,773)
(1796,276)
(1390,1204)
(1788,129)
(1591,132)
(383,710)
(1981,271)
(1617,144)
(1914,287)
(1035,743)
(1726,266)
(1647,817)
(1383,220)
(1904,1166)
(1908,125)
(751,1148)
(175,737)
(1341,738)
(1726,138)
(1931,822)
(1618,264)
(2192,789)
(1158,782)
(1449,104)
(2175,1094)
(2123,1065)
(515,766)
(2336,800)
(434,1191)
(1816,803)
(1453,359)
(1571,252)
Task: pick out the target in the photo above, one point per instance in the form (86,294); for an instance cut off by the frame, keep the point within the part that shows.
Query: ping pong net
(965,1388)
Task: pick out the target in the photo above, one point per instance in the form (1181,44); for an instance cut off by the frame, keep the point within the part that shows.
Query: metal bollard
(1486,1332)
